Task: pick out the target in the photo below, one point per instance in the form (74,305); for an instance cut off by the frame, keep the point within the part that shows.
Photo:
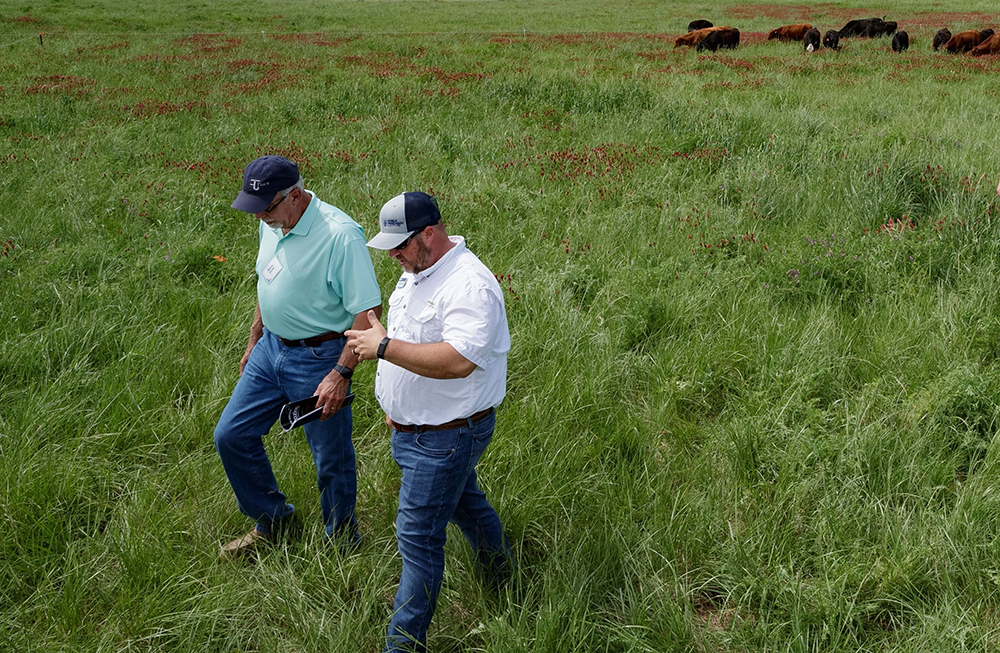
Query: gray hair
(299,184)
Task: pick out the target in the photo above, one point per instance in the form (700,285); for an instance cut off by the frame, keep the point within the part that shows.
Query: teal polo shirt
(317,277)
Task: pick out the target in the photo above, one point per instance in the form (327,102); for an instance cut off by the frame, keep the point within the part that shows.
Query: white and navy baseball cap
(401,216)
(263,178)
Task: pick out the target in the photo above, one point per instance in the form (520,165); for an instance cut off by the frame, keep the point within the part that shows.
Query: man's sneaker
(242,546)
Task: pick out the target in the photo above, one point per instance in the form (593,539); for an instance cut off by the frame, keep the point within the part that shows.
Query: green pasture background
(753,394)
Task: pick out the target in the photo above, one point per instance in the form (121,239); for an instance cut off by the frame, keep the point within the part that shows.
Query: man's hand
(246,356)
(243,361)
(256,333)
(364,343)
(331,392)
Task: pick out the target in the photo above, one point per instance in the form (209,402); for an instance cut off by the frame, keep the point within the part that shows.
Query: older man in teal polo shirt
(314,281)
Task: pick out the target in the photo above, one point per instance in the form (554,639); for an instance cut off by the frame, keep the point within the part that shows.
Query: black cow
(942,37)
(900,42)
(811,40)
(832,40)
(884,28)
(986,33)
(699,24)
(723,38)
(857,27)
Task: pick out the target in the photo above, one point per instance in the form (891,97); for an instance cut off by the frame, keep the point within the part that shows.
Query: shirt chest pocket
(421,323)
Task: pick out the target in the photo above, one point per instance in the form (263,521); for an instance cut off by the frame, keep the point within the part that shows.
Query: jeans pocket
(438,443)
(327,351)
(482,431)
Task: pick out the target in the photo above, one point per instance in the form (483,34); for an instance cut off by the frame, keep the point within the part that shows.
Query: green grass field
(754,392)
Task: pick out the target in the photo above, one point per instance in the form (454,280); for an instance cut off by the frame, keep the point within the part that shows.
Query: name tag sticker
(272,270)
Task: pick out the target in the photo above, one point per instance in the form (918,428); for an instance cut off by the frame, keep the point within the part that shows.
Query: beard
(421,259)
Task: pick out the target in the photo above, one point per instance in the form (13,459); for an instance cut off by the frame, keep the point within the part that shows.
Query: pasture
(754,390)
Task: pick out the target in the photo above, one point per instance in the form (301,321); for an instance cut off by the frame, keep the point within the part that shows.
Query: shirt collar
(444,261)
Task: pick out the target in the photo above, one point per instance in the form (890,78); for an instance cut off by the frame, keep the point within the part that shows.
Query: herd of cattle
(703,35)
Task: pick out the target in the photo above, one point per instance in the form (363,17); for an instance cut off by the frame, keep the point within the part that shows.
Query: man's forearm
(256,328)
(437,360)
(347,357)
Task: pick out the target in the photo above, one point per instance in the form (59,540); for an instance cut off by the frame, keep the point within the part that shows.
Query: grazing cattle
(900,42)
(989,46)
(696,37)
(811,40)
(832,40)
(858,27)
(963,41)
(795,32)
(883,28)
(941,37)
(699,24)
(723,38)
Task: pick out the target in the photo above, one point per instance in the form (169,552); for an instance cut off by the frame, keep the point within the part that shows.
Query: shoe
(247,544)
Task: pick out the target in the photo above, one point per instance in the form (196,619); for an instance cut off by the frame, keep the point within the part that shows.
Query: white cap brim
(387,241)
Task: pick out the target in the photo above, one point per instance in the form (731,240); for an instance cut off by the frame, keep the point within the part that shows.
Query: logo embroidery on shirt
(401,284)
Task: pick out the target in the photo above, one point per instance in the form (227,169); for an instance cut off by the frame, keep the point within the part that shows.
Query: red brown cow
(989,46)
(789,32)
(964,41)
(695,37)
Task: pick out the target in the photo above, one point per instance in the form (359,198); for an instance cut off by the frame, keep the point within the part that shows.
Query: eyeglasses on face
(272,207)
(406,242)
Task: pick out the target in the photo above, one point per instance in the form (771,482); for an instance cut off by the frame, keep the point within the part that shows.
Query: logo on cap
(255,184)
(392,223)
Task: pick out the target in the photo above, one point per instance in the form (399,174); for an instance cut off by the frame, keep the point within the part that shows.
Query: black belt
(315,341)
(453,424)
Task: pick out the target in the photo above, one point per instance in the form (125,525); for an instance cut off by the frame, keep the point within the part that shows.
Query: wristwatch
(345,372)
(381,347)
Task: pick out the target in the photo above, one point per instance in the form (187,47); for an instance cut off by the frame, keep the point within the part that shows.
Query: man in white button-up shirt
(441,374)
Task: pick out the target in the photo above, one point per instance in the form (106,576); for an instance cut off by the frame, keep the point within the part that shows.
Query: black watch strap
(381,347)
(345,372)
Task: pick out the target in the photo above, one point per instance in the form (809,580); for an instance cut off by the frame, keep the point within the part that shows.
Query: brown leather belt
(453,424)
(315,341)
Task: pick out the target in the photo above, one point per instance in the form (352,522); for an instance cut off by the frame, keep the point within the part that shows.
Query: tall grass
(753,395)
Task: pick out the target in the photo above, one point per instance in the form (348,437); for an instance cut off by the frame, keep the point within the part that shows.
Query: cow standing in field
(723,38)
(858,27)
(696,37)
(795,32)
(900,42)
(941,38)
(989,46)
(811,41)
(963,41)
(883,28)
(699,24)
(831,40)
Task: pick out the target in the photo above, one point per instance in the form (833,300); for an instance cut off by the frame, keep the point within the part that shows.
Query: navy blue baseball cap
(401,216)
(263,178)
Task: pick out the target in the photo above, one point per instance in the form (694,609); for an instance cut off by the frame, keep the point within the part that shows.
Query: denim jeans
(438,486)
(274,375)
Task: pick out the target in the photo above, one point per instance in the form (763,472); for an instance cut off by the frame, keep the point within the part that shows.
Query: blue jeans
(438,486)
(274,375)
